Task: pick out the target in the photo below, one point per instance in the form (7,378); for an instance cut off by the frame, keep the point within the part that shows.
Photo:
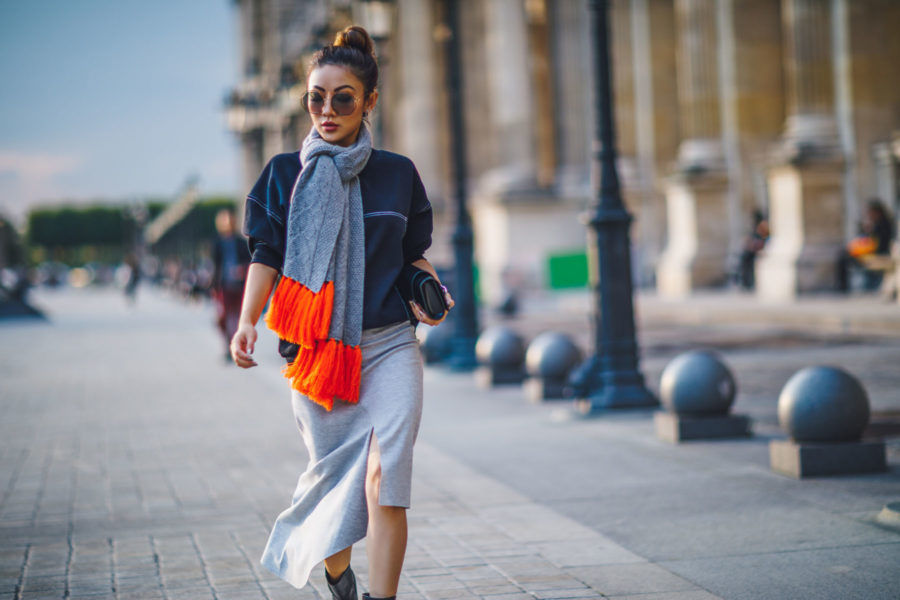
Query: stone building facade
(723,107)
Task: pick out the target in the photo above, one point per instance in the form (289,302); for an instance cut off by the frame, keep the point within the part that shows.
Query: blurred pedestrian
(231,258)
(874,239)
(753,245)
(357,217)
(134,277)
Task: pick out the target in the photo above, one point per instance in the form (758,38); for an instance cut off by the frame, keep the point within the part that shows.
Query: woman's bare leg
(337,563)
(386,543)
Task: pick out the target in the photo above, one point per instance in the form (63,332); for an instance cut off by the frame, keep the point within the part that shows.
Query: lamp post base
(462,355)
(616,396)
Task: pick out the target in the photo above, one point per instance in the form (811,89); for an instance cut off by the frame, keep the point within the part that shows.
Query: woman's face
(331,86)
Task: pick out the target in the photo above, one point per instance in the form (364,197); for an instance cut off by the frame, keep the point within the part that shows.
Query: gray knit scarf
(325,243)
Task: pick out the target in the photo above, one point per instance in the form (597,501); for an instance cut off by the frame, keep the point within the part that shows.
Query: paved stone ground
(135,464)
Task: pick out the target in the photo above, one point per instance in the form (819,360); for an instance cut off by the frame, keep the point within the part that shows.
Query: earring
(365,114)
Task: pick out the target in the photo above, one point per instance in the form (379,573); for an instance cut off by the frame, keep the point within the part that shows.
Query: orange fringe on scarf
(324,369)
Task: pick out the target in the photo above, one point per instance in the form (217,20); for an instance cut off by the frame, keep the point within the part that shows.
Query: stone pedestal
(678,428)
(697,250)
(539,389)
(817,459)
(490,376)
(515,233)
(807,230)
(890,515)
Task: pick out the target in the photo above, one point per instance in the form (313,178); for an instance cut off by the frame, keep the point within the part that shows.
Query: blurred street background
(759,157)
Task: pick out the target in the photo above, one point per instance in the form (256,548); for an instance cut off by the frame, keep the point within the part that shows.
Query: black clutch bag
(420,286)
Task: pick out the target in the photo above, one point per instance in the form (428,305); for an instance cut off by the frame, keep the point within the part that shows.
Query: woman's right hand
(242,345)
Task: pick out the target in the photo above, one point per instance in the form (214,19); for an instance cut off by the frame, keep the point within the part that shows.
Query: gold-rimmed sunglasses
(342,103)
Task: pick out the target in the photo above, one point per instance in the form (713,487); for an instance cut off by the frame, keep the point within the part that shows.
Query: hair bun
(355,36)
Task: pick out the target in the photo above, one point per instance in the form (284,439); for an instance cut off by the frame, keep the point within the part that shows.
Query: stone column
(518,222)
(654,44)
(697,194)
(698,86)
(417,82)
(510,98)
(416,100)
(632,92)
(811,127)
(806,184)
(753,102)
(573,81)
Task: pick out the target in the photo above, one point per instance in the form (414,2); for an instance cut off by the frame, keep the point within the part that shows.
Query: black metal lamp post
(610,378)
(465,319)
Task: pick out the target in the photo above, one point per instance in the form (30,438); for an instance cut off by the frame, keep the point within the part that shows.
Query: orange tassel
(324,369)
(328,371)
(298,315)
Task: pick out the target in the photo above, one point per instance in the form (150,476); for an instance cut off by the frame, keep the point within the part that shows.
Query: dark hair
(352,48)
(877,206)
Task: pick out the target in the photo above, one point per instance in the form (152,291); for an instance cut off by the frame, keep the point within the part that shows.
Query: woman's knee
(373,481)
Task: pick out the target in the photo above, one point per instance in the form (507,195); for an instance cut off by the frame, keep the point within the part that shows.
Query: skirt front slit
(328,509)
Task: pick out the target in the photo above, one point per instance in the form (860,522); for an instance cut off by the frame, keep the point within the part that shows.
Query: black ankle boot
(366,596)
(344,587)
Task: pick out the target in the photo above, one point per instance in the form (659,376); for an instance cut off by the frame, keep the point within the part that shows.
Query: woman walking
(338,221)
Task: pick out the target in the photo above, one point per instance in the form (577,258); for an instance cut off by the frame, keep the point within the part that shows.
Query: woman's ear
(370,102)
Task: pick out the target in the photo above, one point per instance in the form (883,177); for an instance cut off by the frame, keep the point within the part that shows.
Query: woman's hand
(242,345)
(423,264)
(424,318)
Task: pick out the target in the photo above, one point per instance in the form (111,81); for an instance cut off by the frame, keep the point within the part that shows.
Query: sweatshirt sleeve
(265,216)
(417,238)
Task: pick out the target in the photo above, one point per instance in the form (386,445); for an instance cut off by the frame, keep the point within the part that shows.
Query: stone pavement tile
(101,584)
(140,595)
(690,595)
(138,586)
(283,591)
(49,584)
(644,578)
(581,553)
(475,574)
(529,523)
(450,594)
(494,588)
(244,591)
(562,594)
(538,584)
(420,562)
(35,596)
(11,564)
(850,573)
(186,581)
(428,583)
(190,594)
(771,527)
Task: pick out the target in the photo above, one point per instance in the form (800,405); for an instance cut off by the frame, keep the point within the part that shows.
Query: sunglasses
(342,103)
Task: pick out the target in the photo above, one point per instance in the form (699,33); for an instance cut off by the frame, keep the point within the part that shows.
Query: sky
(114,100)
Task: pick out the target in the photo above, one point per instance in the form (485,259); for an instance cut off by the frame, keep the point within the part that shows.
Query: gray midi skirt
(328,510)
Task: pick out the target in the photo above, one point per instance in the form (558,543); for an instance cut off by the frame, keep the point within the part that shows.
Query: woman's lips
(329,126)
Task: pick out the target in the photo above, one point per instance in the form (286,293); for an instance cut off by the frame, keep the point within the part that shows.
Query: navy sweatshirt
(396,213)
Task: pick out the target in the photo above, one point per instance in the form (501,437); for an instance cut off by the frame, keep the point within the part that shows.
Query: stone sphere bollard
(501,353)
(550,358)
(823,404)
(697,383)
(697,390)
(434,342)
(825,410)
